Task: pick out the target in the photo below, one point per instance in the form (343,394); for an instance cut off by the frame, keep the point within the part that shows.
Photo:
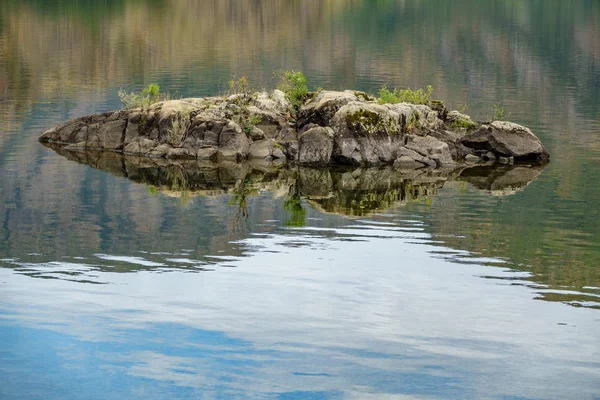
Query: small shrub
(147,97)
(240,86)
(419,96)
(178,131)
(251,122)
(463,123)
(293,84)
(462,108)
(498,112)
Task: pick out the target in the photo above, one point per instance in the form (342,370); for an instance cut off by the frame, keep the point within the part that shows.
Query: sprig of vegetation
(251,122)
(147,97)
(463,123)
(179,128)
(419,96)
(240,86)
(498,112)
(293,84)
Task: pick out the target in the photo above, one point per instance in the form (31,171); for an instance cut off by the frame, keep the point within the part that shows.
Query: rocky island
(327,128)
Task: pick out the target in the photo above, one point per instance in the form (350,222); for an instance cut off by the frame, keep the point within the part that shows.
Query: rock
(278,151)
(233,143)
(265,148)
(315,146)
(276,103)
(489,156)
(323,107)
(404,154)
(366,134)
(332,127)
(432,148)
(257,133)
(460,122)
(207,154)
(507,139)
(160,151)
(140,146)
(407,162)
(179,153)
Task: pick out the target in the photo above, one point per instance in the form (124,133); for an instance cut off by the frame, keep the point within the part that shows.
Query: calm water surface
(190,281)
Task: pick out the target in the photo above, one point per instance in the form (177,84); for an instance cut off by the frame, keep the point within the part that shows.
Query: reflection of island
(355,192)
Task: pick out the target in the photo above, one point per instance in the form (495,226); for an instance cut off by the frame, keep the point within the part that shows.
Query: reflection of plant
(152,190)
(147,97)
(177,178)
(241,193)
(293,205)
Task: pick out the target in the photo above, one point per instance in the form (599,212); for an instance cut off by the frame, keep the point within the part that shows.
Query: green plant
(413,122)
(251,122)
(293,84)
(240,86)
(462,108)
(374,123)
(498,112)
(181,123)
(463,123)
(419,96)
(147,97)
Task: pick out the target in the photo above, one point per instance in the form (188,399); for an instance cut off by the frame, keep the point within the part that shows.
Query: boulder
(507,139)
(315,146)
(140,146)
(431,148)
(324,106)
(366,134)
(266,148)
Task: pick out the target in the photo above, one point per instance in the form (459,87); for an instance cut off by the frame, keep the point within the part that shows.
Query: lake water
(191,281)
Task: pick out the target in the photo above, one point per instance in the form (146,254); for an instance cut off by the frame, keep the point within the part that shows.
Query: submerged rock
(346,128)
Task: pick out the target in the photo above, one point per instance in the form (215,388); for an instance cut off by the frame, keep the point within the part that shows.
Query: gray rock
(207,154)
(489,156)
(406,162)
(315,146)
(432,148)
(472,158)
(366,133)
(140,146)
(324,106)
(233,144)
(507,139)
(160,151)
(261,149)
(180,153)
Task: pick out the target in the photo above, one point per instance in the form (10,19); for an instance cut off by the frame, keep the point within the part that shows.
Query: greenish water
(120,280)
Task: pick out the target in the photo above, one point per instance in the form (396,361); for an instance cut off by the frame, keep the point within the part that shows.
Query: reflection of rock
(350,191)
(501,181)
(346,128)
